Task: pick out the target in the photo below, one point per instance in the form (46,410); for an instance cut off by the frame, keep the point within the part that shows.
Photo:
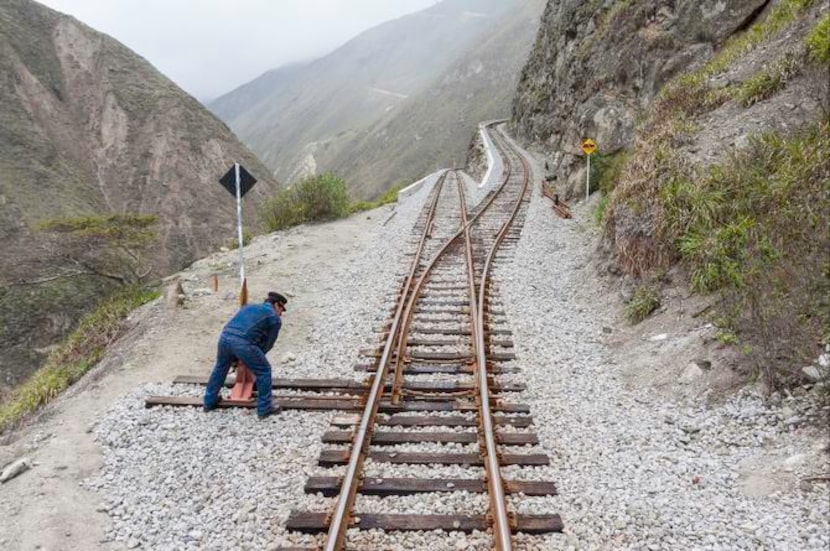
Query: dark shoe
(211,408)
(275,410)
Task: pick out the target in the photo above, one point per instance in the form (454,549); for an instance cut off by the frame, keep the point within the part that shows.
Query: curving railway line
(434,380)
(434,403)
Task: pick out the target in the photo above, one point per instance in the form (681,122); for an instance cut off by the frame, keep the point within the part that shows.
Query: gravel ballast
(633,470)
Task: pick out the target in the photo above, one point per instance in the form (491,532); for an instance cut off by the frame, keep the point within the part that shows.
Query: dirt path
(46,508)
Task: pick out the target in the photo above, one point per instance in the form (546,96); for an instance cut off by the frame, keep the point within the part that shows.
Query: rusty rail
(348,489)
(397,340)
(495,485)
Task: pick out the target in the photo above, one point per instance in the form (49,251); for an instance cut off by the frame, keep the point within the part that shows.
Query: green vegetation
(390,196)
(766,83)
(317,198)
(690,94)
(233,243)
(655,163)
(605,169)
(727,337)
(113,246)
(755,229)
(818,40)
(132,229)
(784,13)
(76,355)
(602,209)
(644,302)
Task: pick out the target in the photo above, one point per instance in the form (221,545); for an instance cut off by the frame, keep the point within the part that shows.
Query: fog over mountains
(394,102)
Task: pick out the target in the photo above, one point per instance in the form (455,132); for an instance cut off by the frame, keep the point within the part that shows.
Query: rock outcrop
(596,67)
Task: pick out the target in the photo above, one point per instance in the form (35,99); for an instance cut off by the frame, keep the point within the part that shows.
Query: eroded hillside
(88,128)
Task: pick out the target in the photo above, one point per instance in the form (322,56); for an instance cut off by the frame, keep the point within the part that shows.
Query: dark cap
(276,298)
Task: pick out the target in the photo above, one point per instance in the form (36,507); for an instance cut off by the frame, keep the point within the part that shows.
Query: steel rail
(400,323)
(335,540)
(495,485)
(397,384)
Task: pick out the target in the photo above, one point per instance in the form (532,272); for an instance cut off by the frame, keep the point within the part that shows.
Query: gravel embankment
(178,478)
(633,471)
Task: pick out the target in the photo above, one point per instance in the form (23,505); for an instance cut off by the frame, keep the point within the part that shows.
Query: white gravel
(633,472)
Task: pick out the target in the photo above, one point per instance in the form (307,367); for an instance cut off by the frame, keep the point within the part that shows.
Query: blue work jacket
(259,324)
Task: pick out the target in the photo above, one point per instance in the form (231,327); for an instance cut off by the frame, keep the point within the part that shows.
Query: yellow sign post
(589,147)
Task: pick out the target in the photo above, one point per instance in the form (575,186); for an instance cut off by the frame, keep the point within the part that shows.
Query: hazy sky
(209,47)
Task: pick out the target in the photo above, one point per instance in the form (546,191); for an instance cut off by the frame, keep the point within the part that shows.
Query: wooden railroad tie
(433,421)
(344,403)
(529,524)
(331,458)
(330,486)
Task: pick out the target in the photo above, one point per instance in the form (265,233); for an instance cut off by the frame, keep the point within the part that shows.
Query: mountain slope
(434,127)
(328,114)
(87,127)
(595,68)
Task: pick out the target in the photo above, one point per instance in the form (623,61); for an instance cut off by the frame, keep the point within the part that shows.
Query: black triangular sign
(246,181)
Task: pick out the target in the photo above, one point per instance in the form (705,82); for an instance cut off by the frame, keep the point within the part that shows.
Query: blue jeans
(232,347)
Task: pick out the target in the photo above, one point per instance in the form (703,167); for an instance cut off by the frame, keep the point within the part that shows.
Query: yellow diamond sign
(589,146)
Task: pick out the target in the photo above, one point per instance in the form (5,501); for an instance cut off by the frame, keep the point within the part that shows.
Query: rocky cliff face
(88,127)
(596,66)
(723,112)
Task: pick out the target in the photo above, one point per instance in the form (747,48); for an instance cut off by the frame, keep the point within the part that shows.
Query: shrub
(757,230)
(116,246)
(389,196)
(606,168)
(644,302)
(323,197)
(78,353)
(233,243)
(818,40)
(318,198)
(601,210)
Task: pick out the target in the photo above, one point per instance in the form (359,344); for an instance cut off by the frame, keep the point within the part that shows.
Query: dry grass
(75,356)
(645,301)
(754,229)
(757,230)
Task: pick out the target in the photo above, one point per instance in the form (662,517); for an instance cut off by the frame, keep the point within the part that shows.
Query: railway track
(434,391)
(432,405)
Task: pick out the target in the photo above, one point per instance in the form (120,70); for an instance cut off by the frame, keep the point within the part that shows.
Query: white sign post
(239,223)
(588,178)
(238,182)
